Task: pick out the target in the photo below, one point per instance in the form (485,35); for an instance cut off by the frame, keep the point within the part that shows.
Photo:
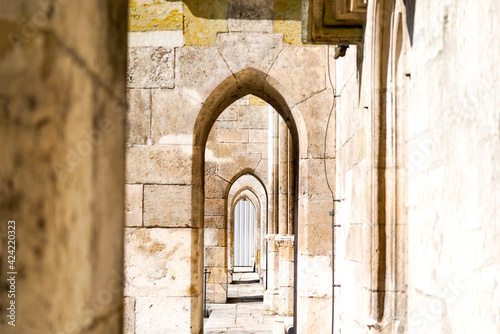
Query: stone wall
(62,104)
(417,171)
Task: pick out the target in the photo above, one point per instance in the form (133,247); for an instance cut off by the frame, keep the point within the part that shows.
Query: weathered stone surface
(199,71)
(233,135)
(254,117)
(288,20)
(151,68)
(167,164)
(311,275)
(318,317)
(173,117)
(148,15)
(215,237)
(251,16)
(166,315)
(133,205)
(257,51)
(215,256)
(167,206)
(304,68)
(165,39)
(158,262)
(138,116)
(214,207)
(314,179)
(203,21)
(248,160)
(215,222)
(215,187)
(315,112)
(258,136)
(129,315)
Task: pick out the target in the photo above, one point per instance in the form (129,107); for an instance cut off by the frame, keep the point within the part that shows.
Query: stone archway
(167,167)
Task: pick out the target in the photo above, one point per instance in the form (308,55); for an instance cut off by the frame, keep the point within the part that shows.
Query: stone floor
(241,318)
(245,314)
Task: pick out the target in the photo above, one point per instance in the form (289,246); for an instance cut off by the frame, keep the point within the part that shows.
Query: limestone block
(217,275)
(160,262)
(129,315)
(285,301)
(257,51)
(304,70)
(354,243)
(147,15)
(228,170)
(314,315)
(258,136)
(315,112)
(215,256)
(230,114)
(167,315)
(262,170)
(215,187)
(314,275)
(199,71)
(166,39)
(215,237)
(218,222)
(251,16)
(220,293)
(248,160)
(286,274)
(138,116)
(166,164)
(271,301)
(260,148)
(214,207)
(287,20)
(150,67)
(315,229)
(173,117)
(254,117)
(167,206)
(233,136)
(226,150)
(312,172)
(204,20)
(133,205)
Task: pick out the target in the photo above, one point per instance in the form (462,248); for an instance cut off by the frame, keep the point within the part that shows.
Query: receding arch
(236,86)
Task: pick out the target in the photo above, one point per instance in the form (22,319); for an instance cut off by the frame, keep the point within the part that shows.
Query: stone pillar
(272,292)
(291,185)
(285,244)
(283,178)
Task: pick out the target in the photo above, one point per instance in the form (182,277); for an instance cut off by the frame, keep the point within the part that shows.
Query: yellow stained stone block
(203,20)
(155,15)
(288,20)
(257,101)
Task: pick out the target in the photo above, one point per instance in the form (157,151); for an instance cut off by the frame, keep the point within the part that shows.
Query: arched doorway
(245,234)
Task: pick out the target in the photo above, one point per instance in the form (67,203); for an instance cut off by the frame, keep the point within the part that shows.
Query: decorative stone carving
(335,21)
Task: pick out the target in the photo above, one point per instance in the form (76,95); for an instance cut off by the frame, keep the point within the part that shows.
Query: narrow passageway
(244,311)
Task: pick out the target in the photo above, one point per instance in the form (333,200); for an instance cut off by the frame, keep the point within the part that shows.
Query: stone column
(272,292)
(283,178)
(285,244)
(291,185)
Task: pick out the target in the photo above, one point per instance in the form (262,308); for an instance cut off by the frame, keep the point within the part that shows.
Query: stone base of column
(285,243)
(271,302)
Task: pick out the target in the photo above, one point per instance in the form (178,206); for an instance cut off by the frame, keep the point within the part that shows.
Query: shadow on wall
(289,10)
(410,17)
